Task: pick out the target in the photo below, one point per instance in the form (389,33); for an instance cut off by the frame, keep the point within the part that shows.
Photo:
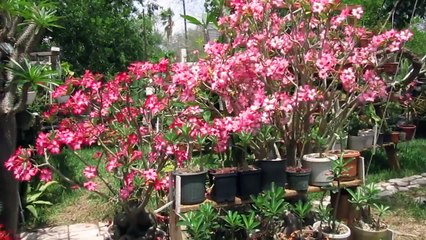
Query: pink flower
(46,175)
(21,165)
(357,12)
(317,7)
(150,175)
(126,191)
(162,184)
(136,155)
(90,172)
(90,185)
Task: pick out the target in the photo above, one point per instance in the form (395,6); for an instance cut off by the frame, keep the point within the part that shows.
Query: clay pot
(409,130)
(351,157)
(395,137)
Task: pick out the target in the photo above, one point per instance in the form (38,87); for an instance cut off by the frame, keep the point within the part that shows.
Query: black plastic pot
(224,182)
(298,181)
(273,171)
(387,138)
(380,139)
(249,183)
(193,187)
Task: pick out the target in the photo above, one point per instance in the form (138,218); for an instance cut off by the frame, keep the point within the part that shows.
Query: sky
(193,8)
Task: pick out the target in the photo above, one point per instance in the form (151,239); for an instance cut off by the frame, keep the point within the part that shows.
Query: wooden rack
(288,193)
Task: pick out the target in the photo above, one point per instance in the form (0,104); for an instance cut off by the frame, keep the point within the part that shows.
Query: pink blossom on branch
(90,185)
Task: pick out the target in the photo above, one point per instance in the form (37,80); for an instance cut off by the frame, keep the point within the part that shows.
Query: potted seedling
(329,224)
(366,225)
(200,224)
(319,162)
(356,141)
(271,206)
(302,210)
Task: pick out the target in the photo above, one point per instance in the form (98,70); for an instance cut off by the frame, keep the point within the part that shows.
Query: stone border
(395,185)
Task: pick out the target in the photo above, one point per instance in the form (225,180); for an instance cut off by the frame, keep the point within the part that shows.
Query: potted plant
(240,226)
(328,223)
(249,177)
(223,183)
(356,141)
(200,224)
(302,210)
(271,206)
(268,157)
(320,162)
(193,177)
(367,225)
(409,130)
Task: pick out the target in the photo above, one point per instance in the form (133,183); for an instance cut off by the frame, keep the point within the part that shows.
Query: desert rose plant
(143,122)
(293,63)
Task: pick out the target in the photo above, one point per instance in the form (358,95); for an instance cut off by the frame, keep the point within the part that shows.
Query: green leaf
(45,186)
(193,20)
(33,197)
(32,210)
(211,18)
(41,202)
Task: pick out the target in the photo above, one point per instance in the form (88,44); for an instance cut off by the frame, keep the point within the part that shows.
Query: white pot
(31,95)
(320,166)
(63,99)
(343,236)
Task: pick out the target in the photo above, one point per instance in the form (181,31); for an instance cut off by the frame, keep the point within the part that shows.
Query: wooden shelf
(288,193)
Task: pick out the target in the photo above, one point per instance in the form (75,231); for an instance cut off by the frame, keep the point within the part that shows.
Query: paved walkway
(81,231)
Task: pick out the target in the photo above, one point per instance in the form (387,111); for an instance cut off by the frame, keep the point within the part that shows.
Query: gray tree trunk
(8,185)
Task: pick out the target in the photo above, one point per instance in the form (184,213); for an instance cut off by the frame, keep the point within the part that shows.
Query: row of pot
(227,183)
(365,138)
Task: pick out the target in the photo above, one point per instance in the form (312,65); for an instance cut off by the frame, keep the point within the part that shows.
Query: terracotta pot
(350,157)
(409,130)
(395,137)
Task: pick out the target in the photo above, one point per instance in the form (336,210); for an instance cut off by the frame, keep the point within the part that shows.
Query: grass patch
(404,204)
(72,205)
(412,157)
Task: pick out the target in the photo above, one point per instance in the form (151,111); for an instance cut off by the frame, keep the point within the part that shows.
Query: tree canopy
(104,35)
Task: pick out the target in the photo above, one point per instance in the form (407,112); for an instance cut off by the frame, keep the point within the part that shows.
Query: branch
(416,64)
(20,106)
(13,28)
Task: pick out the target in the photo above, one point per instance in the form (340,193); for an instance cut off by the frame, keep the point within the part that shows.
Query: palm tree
(167,20)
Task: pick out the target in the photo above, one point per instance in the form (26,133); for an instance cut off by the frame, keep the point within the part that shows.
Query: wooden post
(174,195)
